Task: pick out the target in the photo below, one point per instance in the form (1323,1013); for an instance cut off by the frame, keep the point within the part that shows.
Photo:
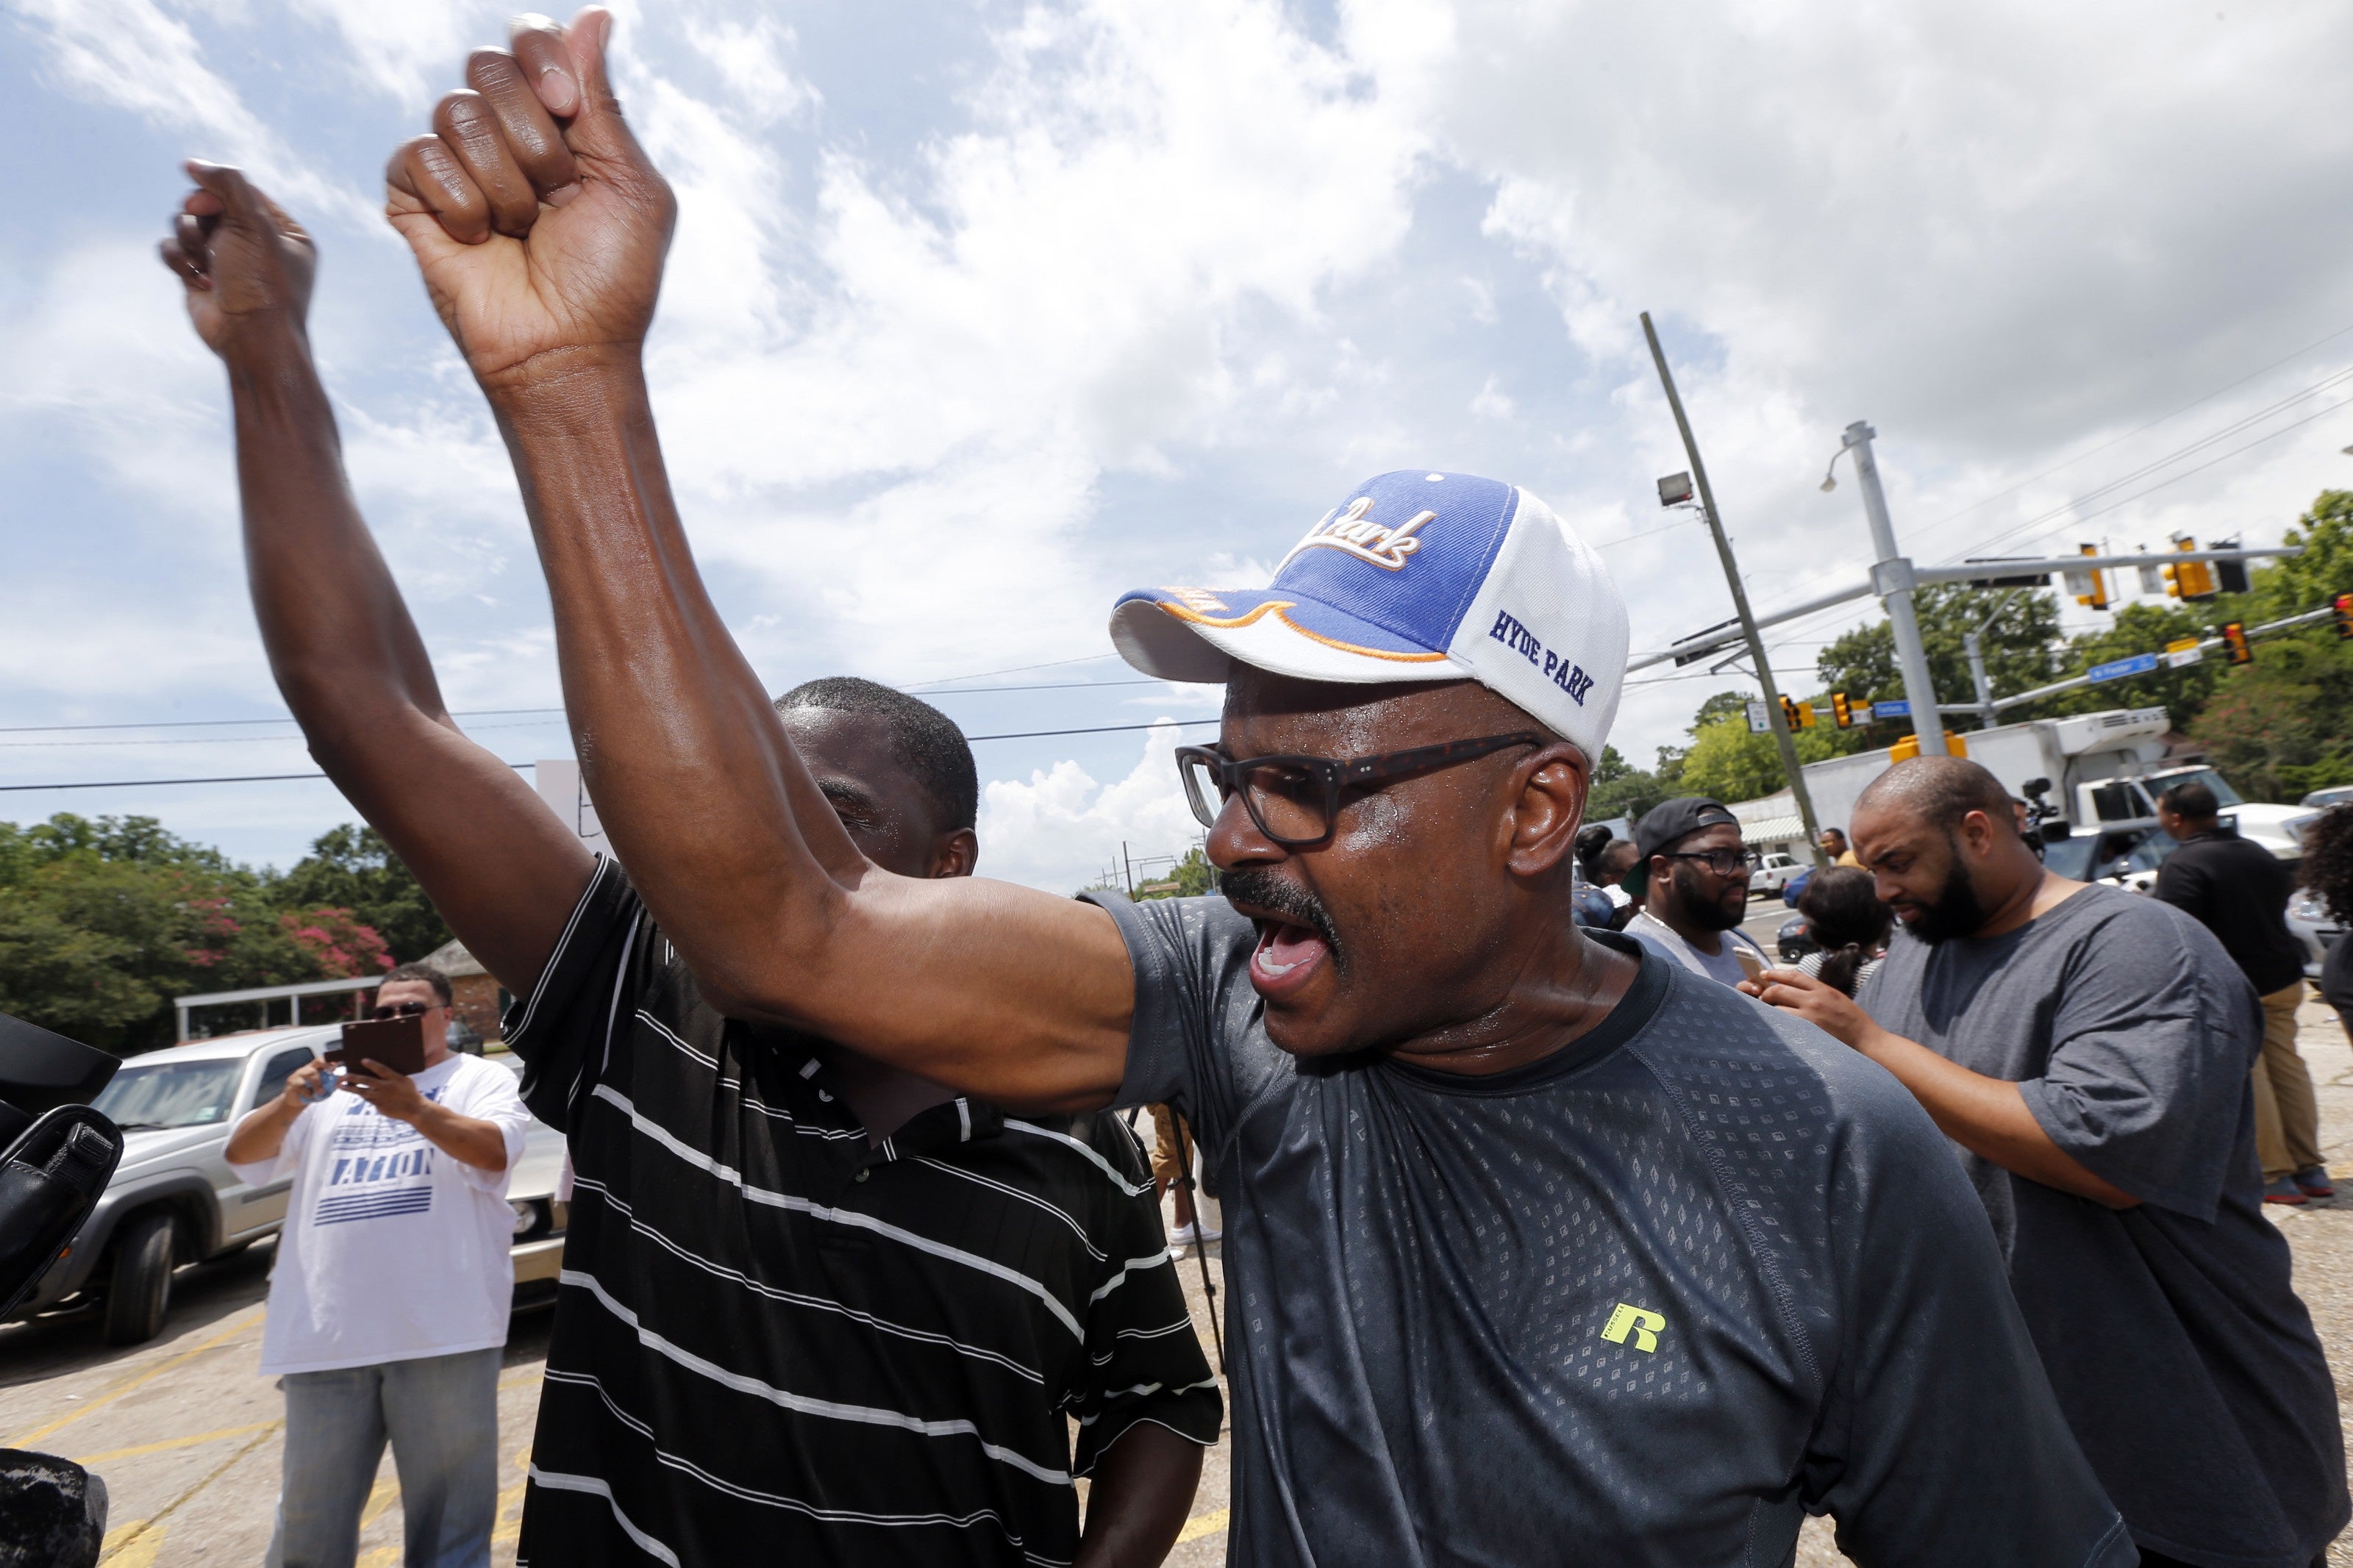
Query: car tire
(139,1286)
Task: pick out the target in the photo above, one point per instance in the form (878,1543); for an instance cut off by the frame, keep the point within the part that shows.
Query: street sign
(2182,658)
(2117,669)
(1897,710)
(1759,721)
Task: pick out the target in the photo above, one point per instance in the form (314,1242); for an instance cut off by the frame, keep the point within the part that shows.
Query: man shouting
(1539,1247)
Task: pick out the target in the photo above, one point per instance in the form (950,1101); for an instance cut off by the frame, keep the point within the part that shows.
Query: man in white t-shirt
(388,1302)
(1699,890)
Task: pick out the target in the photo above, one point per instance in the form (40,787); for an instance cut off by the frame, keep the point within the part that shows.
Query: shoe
(2314,1183)
(2283,1191)
(1192,1236)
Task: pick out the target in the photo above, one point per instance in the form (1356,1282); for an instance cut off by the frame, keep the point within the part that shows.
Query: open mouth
(1287,954)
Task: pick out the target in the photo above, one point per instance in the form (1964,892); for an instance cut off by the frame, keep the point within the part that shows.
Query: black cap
(1670,820)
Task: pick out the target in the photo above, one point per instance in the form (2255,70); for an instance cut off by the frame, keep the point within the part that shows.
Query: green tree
(2138,628)
(351,867)
(2018,644)
(1729,762)
(1193,878)
(2293,584)
(103,921)
(1621,789)
(2283,726)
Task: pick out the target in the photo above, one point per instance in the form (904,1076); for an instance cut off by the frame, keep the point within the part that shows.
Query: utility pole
(1892,579)
(1973,646)
(1975,649)
(1773,714)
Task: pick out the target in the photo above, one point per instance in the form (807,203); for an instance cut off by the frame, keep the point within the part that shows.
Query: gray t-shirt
(1643,1302)
(2186,1364)
(1723,965)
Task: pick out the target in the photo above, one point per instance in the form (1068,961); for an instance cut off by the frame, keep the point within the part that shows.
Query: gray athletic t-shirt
(1642,1302)
(2186,1364)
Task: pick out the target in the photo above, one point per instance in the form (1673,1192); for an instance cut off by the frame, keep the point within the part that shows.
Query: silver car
(2315,929)
(174,1200)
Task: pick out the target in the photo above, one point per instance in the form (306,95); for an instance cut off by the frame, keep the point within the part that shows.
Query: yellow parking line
(168,1443)
(133,1546)
(1203,1524)
(380,1497)
(27,1439)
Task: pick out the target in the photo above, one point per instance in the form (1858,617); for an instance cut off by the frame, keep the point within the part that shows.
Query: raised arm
(496,862)
(546,271)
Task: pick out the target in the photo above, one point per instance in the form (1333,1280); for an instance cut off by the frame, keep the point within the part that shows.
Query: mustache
(1260,885)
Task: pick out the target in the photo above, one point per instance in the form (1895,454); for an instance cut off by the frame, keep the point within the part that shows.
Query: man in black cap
(2236,888)
(1699,890)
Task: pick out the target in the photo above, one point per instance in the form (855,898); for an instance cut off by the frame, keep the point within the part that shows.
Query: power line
(2234,427)
(143,784)
(1015,670)
(277,778)
(458,713)
(2136,430)
(212,723)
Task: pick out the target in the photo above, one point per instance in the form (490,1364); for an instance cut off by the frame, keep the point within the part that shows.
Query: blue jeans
(442,1415)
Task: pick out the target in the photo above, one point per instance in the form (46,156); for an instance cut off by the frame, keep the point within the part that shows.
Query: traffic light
(2191,581)
(1842,711)
(1797,716)
(2097,579)
(2230,576)
(1905,749)
(2235,643)
(2345,614)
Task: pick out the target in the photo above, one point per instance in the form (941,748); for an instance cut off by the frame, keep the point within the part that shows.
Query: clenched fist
(538,221)
(245,265)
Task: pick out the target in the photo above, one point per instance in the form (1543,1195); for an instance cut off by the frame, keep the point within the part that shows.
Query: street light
(1829,474)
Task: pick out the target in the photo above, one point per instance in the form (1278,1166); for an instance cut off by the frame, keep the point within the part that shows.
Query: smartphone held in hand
(397,1043)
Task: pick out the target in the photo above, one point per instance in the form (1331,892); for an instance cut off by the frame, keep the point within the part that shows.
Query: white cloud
(1059,830)
(749,57)
(1133,294)
(136,56)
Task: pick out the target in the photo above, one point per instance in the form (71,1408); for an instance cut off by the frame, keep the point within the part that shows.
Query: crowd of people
(1608,1238)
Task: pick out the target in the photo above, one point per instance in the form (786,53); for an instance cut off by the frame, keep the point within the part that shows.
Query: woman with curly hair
(2328,871)
(1844,915)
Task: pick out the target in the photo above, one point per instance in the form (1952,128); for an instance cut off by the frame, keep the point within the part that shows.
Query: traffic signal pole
(1891,577)
(1764,668)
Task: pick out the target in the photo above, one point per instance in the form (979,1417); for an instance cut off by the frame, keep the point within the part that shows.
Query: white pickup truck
(1773,873)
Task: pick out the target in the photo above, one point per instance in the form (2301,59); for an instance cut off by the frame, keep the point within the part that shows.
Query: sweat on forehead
(1938,792)
(1407,713)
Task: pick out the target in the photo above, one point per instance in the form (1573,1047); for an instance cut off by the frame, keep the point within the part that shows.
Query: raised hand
(537,220)
(246,267)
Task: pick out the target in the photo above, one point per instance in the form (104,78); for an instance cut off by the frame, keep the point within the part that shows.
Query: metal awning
(1773,829)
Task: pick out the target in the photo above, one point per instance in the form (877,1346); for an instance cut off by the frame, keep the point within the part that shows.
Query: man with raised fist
(813,1308)
(1538,1246)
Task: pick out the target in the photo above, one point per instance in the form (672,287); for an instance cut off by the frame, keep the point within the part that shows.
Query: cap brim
(1195,634)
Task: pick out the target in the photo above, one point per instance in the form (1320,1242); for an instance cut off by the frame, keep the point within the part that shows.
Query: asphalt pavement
(189,1435)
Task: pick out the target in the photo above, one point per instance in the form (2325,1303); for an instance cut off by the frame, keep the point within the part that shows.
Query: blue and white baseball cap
(1416,576)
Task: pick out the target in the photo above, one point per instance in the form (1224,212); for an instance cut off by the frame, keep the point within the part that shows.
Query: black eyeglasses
(1295,800)
(383,1010)
(1722,862)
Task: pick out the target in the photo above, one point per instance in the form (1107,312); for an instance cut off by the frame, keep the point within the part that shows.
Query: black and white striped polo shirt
(774,1343)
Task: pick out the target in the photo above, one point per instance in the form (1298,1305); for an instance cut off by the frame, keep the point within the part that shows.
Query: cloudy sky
(980,313)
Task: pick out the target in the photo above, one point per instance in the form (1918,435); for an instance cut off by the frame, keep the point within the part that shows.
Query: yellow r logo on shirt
(1644,1326)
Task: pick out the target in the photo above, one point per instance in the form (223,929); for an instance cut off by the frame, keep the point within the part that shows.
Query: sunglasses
(383,1010)
(1295,800)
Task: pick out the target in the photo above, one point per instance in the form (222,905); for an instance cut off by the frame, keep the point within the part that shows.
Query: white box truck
(2103,771)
